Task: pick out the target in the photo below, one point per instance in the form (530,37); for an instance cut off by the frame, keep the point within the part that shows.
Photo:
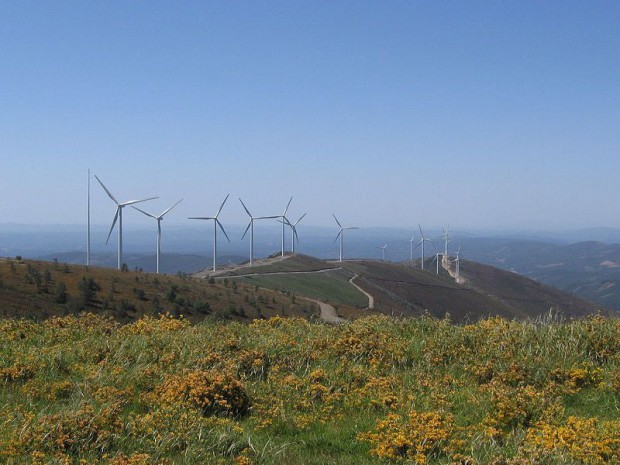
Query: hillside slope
(39,289)
(405,290)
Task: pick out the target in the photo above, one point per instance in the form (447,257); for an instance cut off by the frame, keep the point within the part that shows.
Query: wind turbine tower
(294,236)
(285,221)
(216,223)
(251,228)
(383,252)
(458,263)
(422,240)
(411,247)
(446,238)
(119,216)
(158,219)
(341,234)
(88,225)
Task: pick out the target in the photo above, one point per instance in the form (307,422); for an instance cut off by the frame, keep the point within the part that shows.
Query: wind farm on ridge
(281,218)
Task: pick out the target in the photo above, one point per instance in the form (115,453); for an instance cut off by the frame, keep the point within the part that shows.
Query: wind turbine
(436,259)
(422,240)
(216,223)
(446,238)
(294,236)
(458,263)
(411,241)
(119,216)
(341,233)
(158,218)
(88,225)
(383,252)
(285,221)
(251,228)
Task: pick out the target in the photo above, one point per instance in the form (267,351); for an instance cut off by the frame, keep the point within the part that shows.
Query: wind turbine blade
(246,229)
(246,208)
(107,191)
(351,227)
(287,205)
(146,213)
(113,223)
(337,221)
(200,217)
(267,217)
(300,218)
(339,233)
(162,215)
(131,202)
(295,233)
(222,206)
(222,228)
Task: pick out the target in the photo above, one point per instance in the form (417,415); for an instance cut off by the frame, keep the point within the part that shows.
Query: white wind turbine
(294,236)
(216,223)
(119,216)
(251,228)
(436,259)
(285,221)
(158,218)
(446,238)
(411,241)
(341,234)
(422,240)
(383,252)
(457,262)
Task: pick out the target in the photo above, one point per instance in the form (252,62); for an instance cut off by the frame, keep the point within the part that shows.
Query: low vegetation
(86,389)
(39,290)
(332,286)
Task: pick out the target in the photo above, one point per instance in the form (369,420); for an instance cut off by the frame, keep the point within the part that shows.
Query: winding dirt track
(371,299)
(327,311)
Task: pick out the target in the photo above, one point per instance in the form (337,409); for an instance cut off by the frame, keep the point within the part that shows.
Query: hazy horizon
(480,116)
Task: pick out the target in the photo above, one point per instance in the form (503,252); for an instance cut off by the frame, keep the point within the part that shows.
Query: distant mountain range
(590,269)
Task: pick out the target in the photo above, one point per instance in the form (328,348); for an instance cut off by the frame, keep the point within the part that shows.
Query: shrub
(213,392)
(60,293)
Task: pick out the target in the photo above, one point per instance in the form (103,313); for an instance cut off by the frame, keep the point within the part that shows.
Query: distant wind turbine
(383,252)
(119,216)
(458,263)
(251,228)
(285,221)
(446,238)
(158,219)
(294,236)
(422,240)
(88,225)
(216,223)
(411,241)
(341,234)
(436,259)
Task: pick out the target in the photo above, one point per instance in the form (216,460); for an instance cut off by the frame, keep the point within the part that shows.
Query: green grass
(87,388)
(332,287)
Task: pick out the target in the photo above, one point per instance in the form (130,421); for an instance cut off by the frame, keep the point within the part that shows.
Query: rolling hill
(588,269)
(39,290)
(405,290)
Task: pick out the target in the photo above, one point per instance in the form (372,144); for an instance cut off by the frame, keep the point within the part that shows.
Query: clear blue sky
(481,114)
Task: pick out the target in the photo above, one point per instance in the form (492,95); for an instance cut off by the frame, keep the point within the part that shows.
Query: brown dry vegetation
(30,289)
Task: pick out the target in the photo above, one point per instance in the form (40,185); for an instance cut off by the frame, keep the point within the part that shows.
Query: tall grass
(83,389)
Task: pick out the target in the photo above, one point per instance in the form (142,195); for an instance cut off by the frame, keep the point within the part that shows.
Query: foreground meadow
(83,389)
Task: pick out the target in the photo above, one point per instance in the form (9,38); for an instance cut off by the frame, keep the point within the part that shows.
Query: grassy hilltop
(83,389)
